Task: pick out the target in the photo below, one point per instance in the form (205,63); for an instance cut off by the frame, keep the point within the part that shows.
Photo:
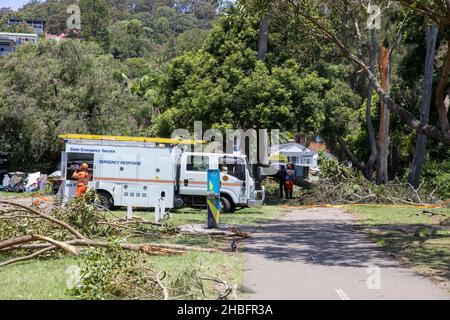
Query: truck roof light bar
(125,138)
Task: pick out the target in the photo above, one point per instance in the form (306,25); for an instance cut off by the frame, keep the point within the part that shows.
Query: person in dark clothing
(281,174)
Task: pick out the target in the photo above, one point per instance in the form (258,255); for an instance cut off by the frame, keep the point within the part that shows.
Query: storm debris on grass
(109,273)
(340,184)
(113,265)
(28,233)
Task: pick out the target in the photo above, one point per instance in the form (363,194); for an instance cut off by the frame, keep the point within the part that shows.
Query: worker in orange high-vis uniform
(289,181)
(83,178)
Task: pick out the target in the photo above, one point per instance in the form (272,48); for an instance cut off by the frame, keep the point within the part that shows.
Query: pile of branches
(110,269)
(340,184)
(109,273)
(360,191)
(28,233)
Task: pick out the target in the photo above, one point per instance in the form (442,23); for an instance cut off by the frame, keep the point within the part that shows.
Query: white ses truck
(137,171)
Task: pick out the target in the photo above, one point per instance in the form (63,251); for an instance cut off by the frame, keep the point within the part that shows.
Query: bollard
(129,212)
(160,210)
(213,198)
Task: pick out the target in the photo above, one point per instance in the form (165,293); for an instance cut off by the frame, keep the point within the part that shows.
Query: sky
(14,4)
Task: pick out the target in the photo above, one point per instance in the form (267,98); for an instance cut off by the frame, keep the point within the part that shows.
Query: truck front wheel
(225,204)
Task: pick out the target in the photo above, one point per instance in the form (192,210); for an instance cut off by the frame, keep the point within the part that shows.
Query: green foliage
(128,40)
(224,84)
(190,40)
(113,273)
(95,18)
(52,88)
(331,169)
(341,184)
(436,177)
(83,214)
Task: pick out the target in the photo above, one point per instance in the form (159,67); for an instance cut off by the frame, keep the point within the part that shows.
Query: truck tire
(225,204)
(105,200)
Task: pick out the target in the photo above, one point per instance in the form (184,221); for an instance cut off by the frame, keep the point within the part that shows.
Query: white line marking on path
(342,294)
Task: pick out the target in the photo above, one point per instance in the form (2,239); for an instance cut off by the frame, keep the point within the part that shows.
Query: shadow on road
(325,242)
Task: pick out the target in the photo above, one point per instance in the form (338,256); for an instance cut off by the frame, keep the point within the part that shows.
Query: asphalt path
(319,254)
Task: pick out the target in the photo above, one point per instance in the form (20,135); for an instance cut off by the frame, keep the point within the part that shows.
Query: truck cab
(237,184)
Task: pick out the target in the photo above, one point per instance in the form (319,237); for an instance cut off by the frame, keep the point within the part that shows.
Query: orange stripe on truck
(134,180)
(227,184)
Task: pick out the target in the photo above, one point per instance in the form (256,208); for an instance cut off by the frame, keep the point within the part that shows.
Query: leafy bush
(436,178)
(330,168)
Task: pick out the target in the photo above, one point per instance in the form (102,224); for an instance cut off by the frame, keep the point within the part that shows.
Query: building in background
(295,153)
(10,41)
(304,159)
(38,25)
(6,47)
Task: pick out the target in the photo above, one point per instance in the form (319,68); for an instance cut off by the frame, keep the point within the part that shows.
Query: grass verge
(246,216)
(419,237)
(46,279)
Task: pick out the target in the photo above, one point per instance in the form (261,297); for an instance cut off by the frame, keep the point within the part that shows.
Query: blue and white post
(213,198)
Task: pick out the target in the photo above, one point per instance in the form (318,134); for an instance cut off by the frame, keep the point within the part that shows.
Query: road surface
(319,254)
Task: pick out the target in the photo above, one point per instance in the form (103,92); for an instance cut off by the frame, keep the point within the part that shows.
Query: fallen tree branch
(142,247)
(66,226)
(62,245)
(15,241)
(28,257)
(227,288)
(69,246)
(159,277)
(355,161)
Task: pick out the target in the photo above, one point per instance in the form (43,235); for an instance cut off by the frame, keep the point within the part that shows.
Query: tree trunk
(383,138)
(368,171)
(441,91)
(404,115)
(263,39)
(421,142)
(349,154)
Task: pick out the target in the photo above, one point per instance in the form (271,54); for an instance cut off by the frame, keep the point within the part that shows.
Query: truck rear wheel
(105,200)
(225,204)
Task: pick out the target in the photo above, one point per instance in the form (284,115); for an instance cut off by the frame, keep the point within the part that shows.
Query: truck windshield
(233,166)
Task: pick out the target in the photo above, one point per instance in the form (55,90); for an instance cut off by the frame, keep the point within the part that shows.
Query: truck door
(68,187)
(234,176)
(70,162)
(193,176)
